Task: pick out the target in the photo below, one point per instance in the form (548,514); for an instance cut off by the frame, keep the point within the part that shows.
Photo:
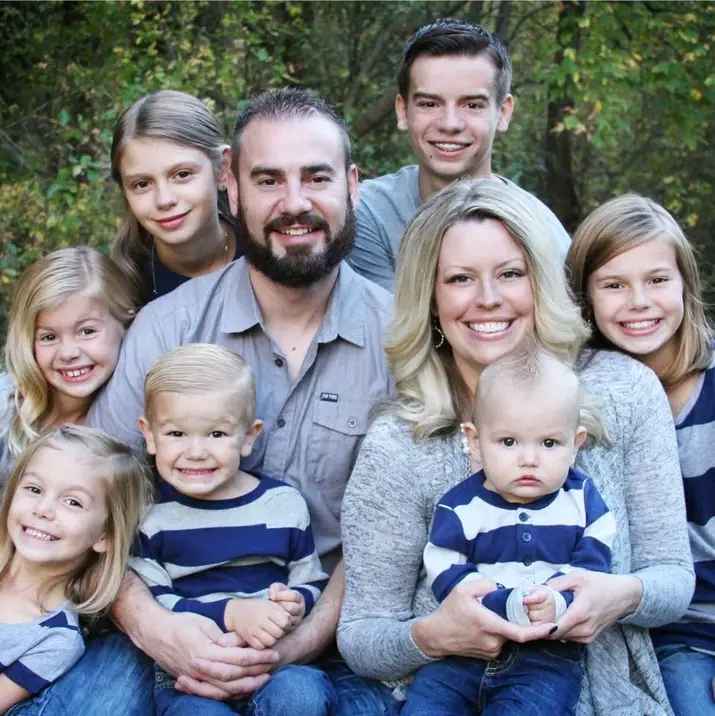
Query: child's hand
(540,605)
(291,600)
(260,623)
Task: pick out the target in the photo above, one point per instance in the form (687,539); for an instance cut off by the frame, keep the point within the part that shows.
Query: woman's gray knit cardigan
(389,502)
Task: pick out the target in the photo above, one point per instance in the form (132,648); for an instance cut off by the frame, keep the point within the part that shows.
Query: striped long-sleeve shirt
(196,555)
(476,533)
(695,430)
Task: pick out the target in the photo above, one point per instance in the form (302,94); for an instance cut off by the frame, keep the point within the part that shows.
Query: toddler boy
(527,516)
(220,542)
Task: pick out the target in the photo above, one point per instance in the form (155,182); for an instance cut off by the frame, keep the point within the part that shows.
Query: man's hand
(540,605)
(291,600)
(192,641)
(206,661)
(259,623)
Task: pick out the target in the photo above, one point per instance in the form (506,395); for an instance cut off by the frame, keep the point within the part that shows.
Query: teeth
(449,146)
(296,232)
(640,324)
(77,373)
(491,327)
(37,534)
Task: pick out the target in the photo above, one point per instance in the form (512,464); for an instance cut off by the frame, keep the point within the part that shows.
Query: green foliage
(638,78)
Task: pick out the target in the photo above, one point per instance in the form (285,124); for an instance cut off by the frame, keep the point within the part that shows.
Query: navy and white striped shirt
(476,533)
(196,555)
(695,429)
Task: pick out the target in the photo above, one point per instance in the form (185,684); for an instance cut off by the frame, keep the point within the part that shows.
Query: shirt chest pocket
(338,429)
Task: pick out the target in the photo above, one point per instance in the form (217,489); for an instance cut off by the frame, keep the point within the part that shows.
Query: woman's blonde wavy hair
(93,585)
(622,224)
(44,286)
(430,392)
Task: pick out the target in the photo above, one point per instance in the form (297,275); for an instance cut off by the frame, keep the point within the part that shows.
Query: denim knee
(112,677)
(688,678)
(291,686)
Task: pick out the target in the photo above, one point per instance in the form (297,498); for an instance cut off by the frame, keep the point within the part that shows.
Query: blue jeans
(290,690)
(356,695)
(113,678)
(688,677)
(538,679)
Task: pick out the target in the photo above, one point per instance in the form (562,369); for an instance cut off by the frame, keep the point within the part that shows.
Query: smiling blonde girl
(67,520)
(636,277)
(66,322)
(172,164)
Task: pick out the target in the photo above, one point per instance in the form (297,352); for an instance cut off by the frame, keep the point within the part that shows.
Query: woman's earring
(439,341)
(465,440)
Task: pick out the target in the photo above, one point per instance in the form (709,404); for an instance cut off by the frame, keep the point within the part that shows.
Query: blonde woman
(477,274)
(636,277)
(67,520)
(67,318)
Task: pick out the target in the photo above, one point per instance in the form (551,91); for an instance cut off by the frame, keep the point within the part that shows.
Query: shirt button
(352,422)
(523,516)
(280,423)
(279,362)
(526,537)
(527,563)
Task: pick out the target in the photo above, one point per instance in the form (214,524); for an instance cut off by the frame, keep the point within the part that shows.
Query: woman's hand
(461,626)
(600,600)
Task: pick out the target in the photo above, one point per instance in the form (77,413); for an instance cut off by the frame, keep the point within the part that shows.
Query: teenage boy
(453,97)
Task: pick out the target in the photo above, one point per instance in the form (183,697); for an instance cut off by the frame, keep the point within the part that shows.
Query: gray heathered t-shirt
(388,204)
(34,654)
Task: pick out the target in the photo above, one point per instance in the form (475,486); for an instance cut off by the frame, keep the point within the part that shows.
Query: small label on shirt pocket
(346,416)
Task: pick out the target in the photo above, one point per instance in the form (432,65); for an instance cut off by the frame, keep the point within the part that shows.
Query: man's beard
(299,267)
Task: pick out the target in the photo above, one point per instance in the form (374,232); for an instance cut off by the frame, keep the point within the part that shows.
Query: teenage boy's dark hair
(288,103)
(455,37)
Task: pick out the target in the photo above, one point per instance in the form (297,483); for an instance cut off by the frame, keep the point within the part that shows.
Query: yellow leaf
(696,94)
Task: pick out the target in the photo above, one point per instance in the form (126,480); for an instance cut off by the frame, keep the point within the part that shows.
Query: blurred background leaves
(611,97)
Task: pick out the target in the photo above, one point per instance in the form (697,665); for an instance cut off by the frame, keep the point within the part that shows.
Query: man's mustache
(286,221)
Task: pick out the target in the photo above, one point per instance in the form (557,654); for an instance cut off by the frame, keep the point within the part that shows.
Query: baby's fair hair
(534,367)
(44,286)
(94,584)
(202,368)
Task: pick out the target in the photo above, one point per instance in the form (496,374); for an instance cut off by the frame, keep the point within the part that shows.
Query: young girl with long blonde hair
(67,520)
(172,164)
(636,276)
(67,318)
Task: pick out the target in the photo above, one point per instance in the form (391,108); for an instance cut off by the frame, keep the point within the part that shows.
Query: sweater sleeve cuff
(667,591)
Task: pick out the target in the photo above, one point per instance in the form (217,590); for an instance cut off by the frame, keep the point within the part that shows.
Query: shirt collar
(344,317)
(240,311)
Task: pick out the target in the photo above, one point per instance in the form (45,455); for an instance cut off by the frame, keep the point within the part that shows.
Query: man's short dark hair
(455,37)
(288,103)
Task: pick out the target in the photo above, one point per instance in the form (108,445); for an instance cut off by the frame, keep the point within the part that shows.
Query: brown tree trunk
(560,191)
